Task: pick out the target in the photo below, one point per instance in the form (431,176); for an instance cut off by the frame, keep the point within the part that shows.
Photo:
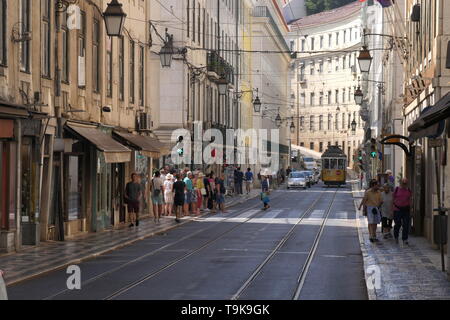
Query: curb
(366,257)
(117,247)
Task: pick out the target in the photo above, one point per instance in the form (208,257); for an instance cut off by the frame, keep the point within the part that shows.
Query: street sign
(435,143)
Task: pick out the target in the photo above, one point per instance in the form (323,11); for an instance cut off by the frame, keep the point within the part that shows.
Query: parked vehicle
(309,178)
(3,294)
(310,164)
(297,180)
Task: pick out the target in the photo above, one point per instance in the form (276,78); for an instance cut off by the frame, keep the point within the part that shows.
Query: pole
(18,240)
(442,211)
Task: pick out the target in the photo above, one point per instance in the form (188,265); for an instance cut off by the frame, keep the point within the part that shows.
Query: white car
(3,294)
(297,180)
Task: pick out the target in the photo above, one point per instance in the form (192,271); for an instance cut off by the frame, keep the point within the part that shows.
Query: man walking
(402,211)
(248,180)
(238,181)
(133,196)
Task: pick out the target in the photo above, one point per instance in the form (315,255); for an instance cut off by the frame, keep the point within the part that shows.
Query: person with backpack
(402,211)
(157,191)
(373,201)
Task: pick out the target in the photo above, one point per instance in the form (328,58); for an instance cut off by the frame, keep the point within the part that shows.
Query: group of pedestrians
(386,206)
(240,178)
(179,193)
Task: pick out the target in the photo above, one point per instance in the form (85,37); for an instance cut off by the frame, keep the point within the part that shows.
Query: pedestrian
(179,188)
(390,179)
(387,211)
(288,171)
(212,193)
(168,195)
(402,211)
(220,193)
(265,186)
(157,194)
(133,196)
(238,181)
(248,180)
(190,200)
(201,192)
(373,201)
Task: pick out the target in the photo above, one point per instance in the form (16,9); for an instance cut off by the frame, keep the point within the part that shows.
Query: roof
(328,16)
(334,152)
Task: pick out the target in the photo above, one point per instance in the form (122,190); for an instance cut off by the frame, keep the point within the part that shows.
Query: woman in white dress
(168,195)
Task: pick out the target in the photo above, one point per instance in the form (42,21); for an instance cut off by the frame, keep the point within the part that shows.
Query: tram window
(341,164)
(333,164)
(326,164)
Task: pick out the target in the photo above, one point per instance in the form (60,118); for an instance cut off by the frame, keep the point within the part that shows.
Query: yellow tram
(334,167)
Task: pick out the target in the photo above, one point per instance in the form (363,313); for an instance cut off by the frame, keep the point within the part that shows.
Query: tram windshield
(334,164)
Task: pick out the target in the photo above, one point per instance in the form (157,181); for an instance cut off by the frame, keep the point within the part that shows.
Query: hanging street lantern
(114,19)
(359,96)
(365,60)
(257,105)
(222,85)
(167,52)
(292,128)
(354,125)
(278,121)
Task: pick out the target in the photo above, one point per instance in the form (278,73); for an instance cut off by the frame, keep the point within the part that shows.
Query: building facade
(76,106)
(324,77)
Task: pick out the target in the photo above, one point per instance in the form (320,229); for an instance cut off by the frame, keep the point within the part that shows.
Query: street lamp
(257,103)
(114,19)
(222,85)
(359,96)
(354,125)
(365,60)
(278,121)
(167,52)
(292,128)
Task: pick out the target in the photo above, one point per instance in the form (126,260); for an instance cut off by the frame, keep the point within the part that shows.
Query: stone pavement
(50,256)
(397,272)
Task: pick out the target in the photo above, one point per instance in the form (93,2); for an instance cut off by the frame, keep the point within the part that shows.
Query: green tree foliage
(317,6)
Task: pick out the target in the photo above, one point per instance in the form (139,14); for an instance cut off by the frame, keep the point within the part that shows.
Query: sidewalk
(407,273)
(50,256)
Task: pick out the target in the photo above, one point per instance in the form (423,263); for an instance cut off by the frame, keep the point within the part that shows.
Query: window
(131,72)
(82,51)
(302,72)
(46,16)
(329,97)
(96,55)
(321,42)
(311,145)
(3,59)
(321,67)
(337,121)
(321,99)
(313,41)
(344,62)
(65,49)
(302,123)
(303,45)
(25,28)
(329,40)
(141,75)
(312,98)
(121,69)
(337,38)
(312,125)
(345,36)
(336,98)
(321,123)
(321,147)
(329,121)
(109,67)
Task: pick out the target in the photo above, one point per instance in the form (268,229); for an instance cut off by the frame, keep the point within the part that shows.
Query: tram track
(258,271)
(167,246)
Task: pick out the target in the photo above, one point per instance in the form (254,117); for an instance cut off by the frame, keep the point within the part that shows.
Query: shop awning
(13,111)
(114,151)
(149,147)
(430,122)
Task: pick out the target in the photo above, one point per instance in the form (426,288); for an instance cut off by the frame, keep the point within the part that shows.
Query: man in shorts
(133,196)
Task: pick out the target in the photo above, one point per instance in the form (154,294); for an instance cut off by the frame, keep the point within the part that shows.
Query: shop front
(147,152)
(11,117)
(94,177)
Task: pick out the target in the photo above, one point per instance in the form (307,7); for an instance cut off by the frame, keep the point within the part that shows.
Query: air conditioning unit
(144,122)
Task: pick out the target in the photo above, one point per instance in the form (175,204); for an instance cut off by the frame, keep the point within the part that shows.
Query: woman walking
(265,186)
(373,201)
(200,187)
(168,195)
(157,190)
(179,188)
(387,211)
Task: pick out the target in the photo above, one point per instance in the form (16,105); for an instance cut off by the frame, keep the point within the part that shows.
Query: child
(387,211)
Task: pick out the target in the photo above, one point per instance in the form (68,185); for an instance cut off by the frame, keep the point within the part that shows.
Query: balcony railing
(220,66)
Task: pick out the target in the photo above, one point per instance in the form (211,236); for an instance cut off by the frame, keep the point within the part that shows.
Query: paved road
(305,247)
